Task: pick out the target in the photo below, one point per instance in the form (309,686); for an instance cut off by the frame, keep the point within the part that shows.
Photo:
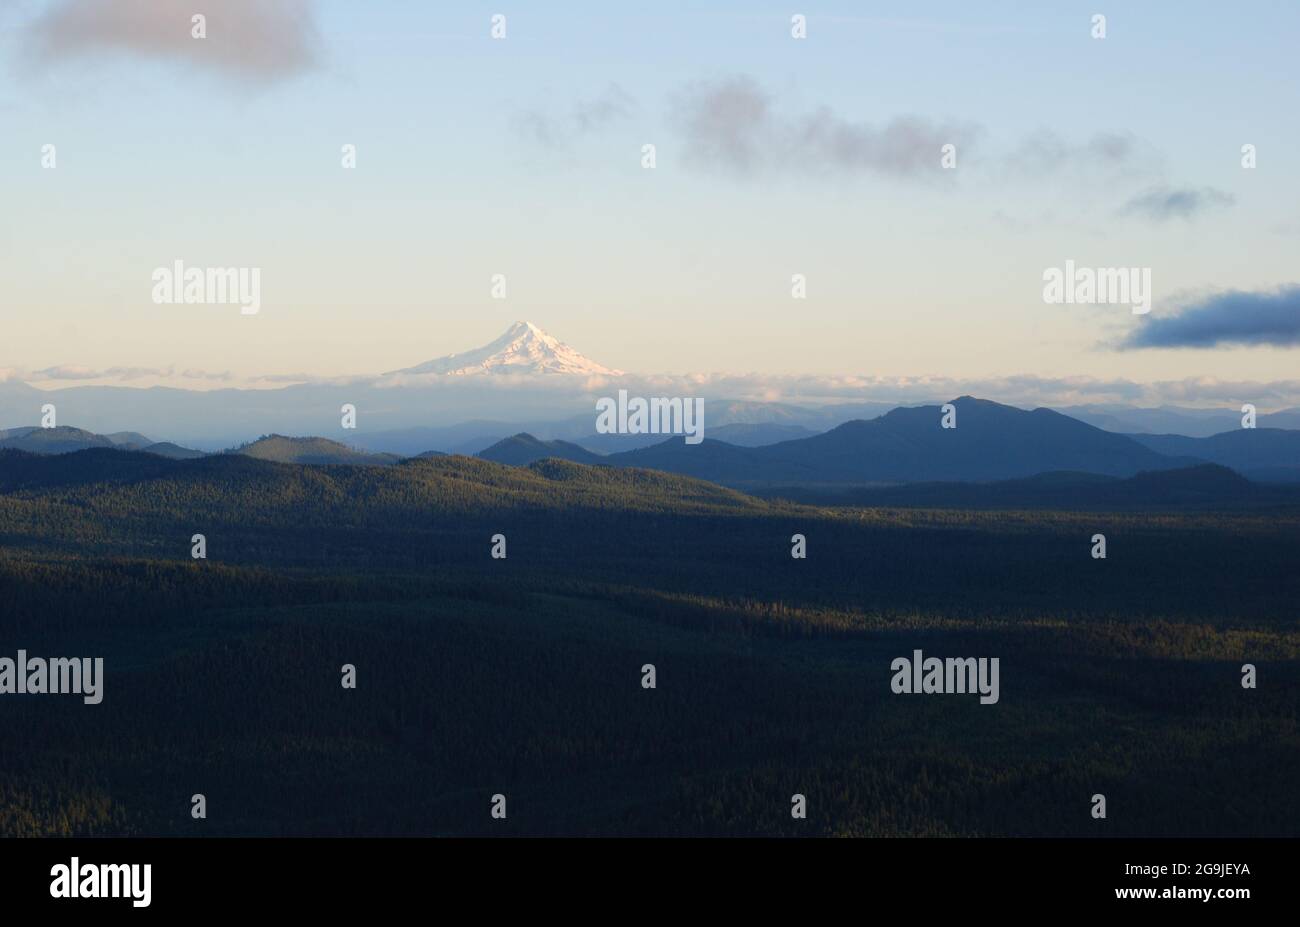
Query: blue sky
(522,156)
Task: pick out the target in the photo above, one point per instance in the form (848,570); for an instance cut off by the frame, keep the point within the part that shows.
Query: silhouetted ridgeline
(1259,453)
(990,442)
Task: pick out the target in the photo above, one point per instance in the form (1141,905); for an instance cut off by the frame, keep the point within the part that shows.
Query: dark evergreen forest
(523,676)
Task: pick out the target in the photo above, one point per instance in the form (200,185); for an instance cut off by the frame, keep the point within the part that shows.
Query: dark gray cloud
(733,125)
(1163,203)
(1230,318)
(250,41)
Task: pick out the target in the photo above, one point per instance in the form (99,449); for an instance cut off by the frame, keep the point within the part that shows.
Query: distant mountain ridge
(64,439)
(131,440)
(1260,453)
(59,440)
(1194,423)
(740,434)
(990,442)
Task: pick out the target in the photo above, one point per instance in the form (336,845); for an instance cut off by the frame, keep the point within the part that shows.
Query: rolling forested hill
(523,675)
(318,451)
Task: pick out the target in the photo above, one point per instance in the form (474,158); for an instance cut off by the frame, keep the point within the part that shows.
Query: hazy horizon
(781,156)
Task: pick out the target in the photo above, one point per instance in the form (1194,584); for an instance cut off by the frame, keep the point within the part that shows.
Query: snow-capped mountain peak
(524,348)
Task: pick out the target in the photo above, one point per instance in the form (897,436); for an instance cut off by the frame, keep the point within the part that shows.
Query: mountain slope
(523,349)
(523,449)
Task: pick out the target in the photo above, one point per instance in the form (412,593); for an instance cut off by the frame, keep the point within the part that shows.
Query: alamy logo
(55,676)
(952,676)
(87,880)
(1120,286)
(655,416)
(181,285)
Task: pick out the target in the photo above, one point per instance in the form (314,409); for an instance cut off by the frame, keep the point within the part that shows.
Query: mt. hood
(524,348)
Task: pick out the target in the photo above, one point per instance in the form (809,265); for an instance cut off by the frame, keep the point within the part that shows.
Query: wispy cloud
(294,378)
(733,125)
(492,396)
(1233,317)
(1026,390)
(1045,153)
(249,41)
(1163,203)
(587,116)
(78,372)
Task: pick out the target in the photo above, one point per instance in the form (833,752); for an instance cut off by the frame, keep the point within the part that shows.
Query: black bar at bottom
(332,876)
